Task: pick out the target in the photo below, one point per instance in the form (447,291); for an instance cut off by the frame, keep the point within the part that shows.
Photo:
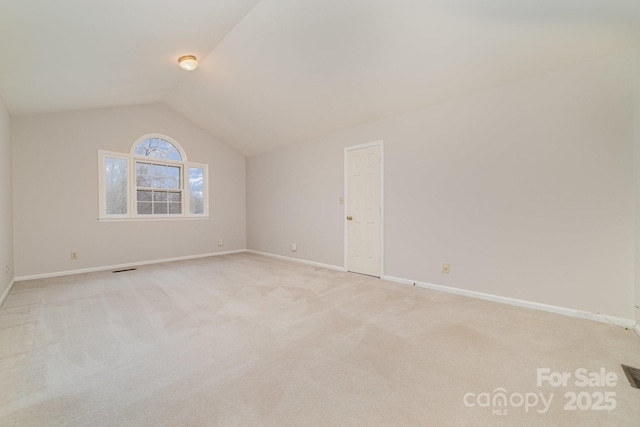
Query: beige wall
(526,190)
(56,191)
(6,201)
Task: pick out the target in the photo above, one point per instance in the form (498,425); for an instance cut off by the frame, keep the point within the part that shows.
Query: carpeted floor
(248,340)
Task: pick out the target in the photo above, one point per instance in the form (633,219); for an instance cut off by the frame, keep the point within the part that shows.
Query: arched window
(158,146)
(155,179)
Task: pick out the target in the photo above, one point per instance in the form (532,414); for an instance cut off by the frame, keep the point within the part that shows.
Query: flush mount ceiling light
(188,62)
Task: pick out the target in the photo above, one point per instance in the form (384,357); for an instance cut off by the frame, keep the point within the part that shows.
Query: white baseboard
(623,322)
(298,260)
(120,266)
(619,321)
(6,292)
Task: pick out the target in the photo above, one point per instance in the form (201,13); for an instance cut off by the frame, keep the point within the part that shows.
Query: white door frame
(344,216)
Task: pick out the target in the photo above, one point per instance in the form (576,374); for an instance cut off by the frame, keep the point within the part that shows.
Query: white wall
(56,191)
(526,190)
(6,201)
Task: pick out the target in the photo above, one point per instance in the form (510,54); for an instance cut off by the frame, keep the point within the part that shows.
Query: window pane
(159,207)
(144,196)
(196,191)
(115,185)
(173,177)
(143,174)
(175,208)
(159,196)
(159,176)
(174,197)
(157,147)
(144,208)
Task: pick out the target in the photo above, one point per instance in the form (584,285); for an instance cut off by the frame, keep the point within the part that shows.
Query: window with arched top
(158,146)
(153,181)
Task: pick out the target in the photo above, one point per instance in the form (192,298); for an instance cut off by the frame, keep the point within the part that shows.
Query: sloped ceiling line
(275,72)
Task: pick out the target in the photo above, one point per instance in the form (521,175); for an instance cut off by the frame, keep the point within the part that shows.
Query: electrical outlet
(220,242)
(294,247)
(74,255)
(7,269)
(446,268)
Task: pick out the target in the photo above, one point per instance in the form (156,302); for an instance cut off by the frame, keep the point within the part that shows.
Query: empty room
(320,213)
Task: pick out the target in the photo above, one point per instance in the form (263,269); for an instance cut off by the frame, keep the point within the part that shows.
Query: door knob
(349,218)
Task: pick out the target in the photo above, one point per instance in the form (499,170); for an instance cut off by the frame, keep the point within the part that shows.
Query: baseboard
(120,266)
(298,260)
(619,321)
(6,292)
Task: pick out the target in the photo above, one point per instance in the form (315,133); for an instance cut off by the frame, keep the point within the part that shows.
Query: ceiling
(276,72)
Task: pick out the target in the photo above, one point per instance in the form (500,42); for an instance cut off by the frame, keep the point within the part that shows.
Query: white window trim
(205,189)
(183,190)
(131,159)
(102,155)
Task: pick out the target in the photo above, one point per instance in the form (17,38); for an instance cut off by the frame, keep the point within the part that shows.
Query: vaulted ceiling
(276,72)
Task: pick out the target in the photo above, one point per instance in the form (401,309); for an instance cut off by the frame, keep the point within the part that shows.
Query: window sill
(169,218)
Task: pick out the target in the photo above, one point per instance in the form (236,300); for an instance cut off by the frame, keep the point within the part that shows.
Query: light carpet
(249,340)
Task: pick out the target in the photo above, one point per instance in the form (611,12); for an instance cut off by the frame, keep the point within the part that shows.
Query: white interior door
(364,210)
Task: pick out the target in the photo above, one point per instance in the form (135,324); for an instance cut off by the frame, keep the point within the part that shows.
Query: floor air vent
(633,375)
(123,270)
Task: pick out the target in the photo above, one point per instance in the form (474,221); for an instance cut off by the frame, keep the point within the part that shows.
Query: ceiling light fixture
(188,62)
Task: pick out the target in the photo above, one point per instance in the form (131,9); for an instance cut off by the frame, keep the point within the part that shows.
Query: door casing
(346,183)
